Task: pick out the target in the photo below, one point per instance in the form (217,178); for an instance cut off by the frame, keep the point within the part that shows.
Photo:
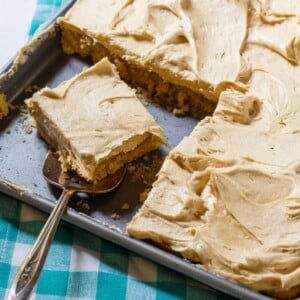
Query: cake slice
(163,46)
(95,121)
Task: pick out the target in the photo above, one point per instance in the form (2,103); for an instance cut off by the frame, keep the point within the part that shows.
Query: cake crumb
(86,206)
(32,88)
(143,96)
(12,106)
(131,168)
(180,111)
(79,202)
(23,108)
(144,195)
(82,204)
(27,128)
(115,216)
(125,206)
(24,119)
(32,122)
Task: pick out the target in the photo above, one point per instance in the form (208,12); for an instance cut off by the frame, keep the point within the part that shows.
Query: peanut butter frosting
(228,196)
(96,121)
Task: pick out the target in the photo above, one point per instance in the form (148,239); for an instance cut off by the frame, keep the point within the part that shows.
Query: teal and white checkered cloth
(79,264)
(45,9)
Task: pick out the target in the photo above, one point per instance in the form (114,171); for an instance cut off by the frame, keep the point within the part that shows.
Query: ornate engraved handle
(31,267)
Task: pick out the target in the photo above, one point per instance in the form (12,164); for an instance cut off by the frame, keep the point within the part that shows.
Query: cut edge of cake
(173,96)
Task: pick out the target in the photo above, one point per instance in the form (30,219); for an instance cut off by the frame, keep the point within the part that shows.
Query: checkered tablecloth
(79,264)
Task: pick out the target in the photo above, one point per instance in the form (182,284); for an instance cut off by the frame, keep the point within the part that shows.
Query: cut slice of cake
(163,46)
(95,121)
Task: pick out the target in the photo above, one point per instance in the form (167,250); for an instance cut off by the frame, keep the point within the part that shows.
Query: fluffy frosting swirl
(228,196)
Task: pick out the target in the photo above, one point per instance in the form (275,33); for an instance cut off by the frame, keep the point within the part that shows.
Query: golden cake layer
(95,122)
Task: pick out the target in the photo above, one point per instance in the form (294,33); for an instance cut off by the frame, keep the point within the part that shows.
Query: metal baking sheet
(22,155)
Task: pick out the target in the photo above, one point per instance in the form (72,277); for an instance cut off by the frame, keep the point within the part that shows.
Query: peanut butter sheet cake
(228,196)
(95,121)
